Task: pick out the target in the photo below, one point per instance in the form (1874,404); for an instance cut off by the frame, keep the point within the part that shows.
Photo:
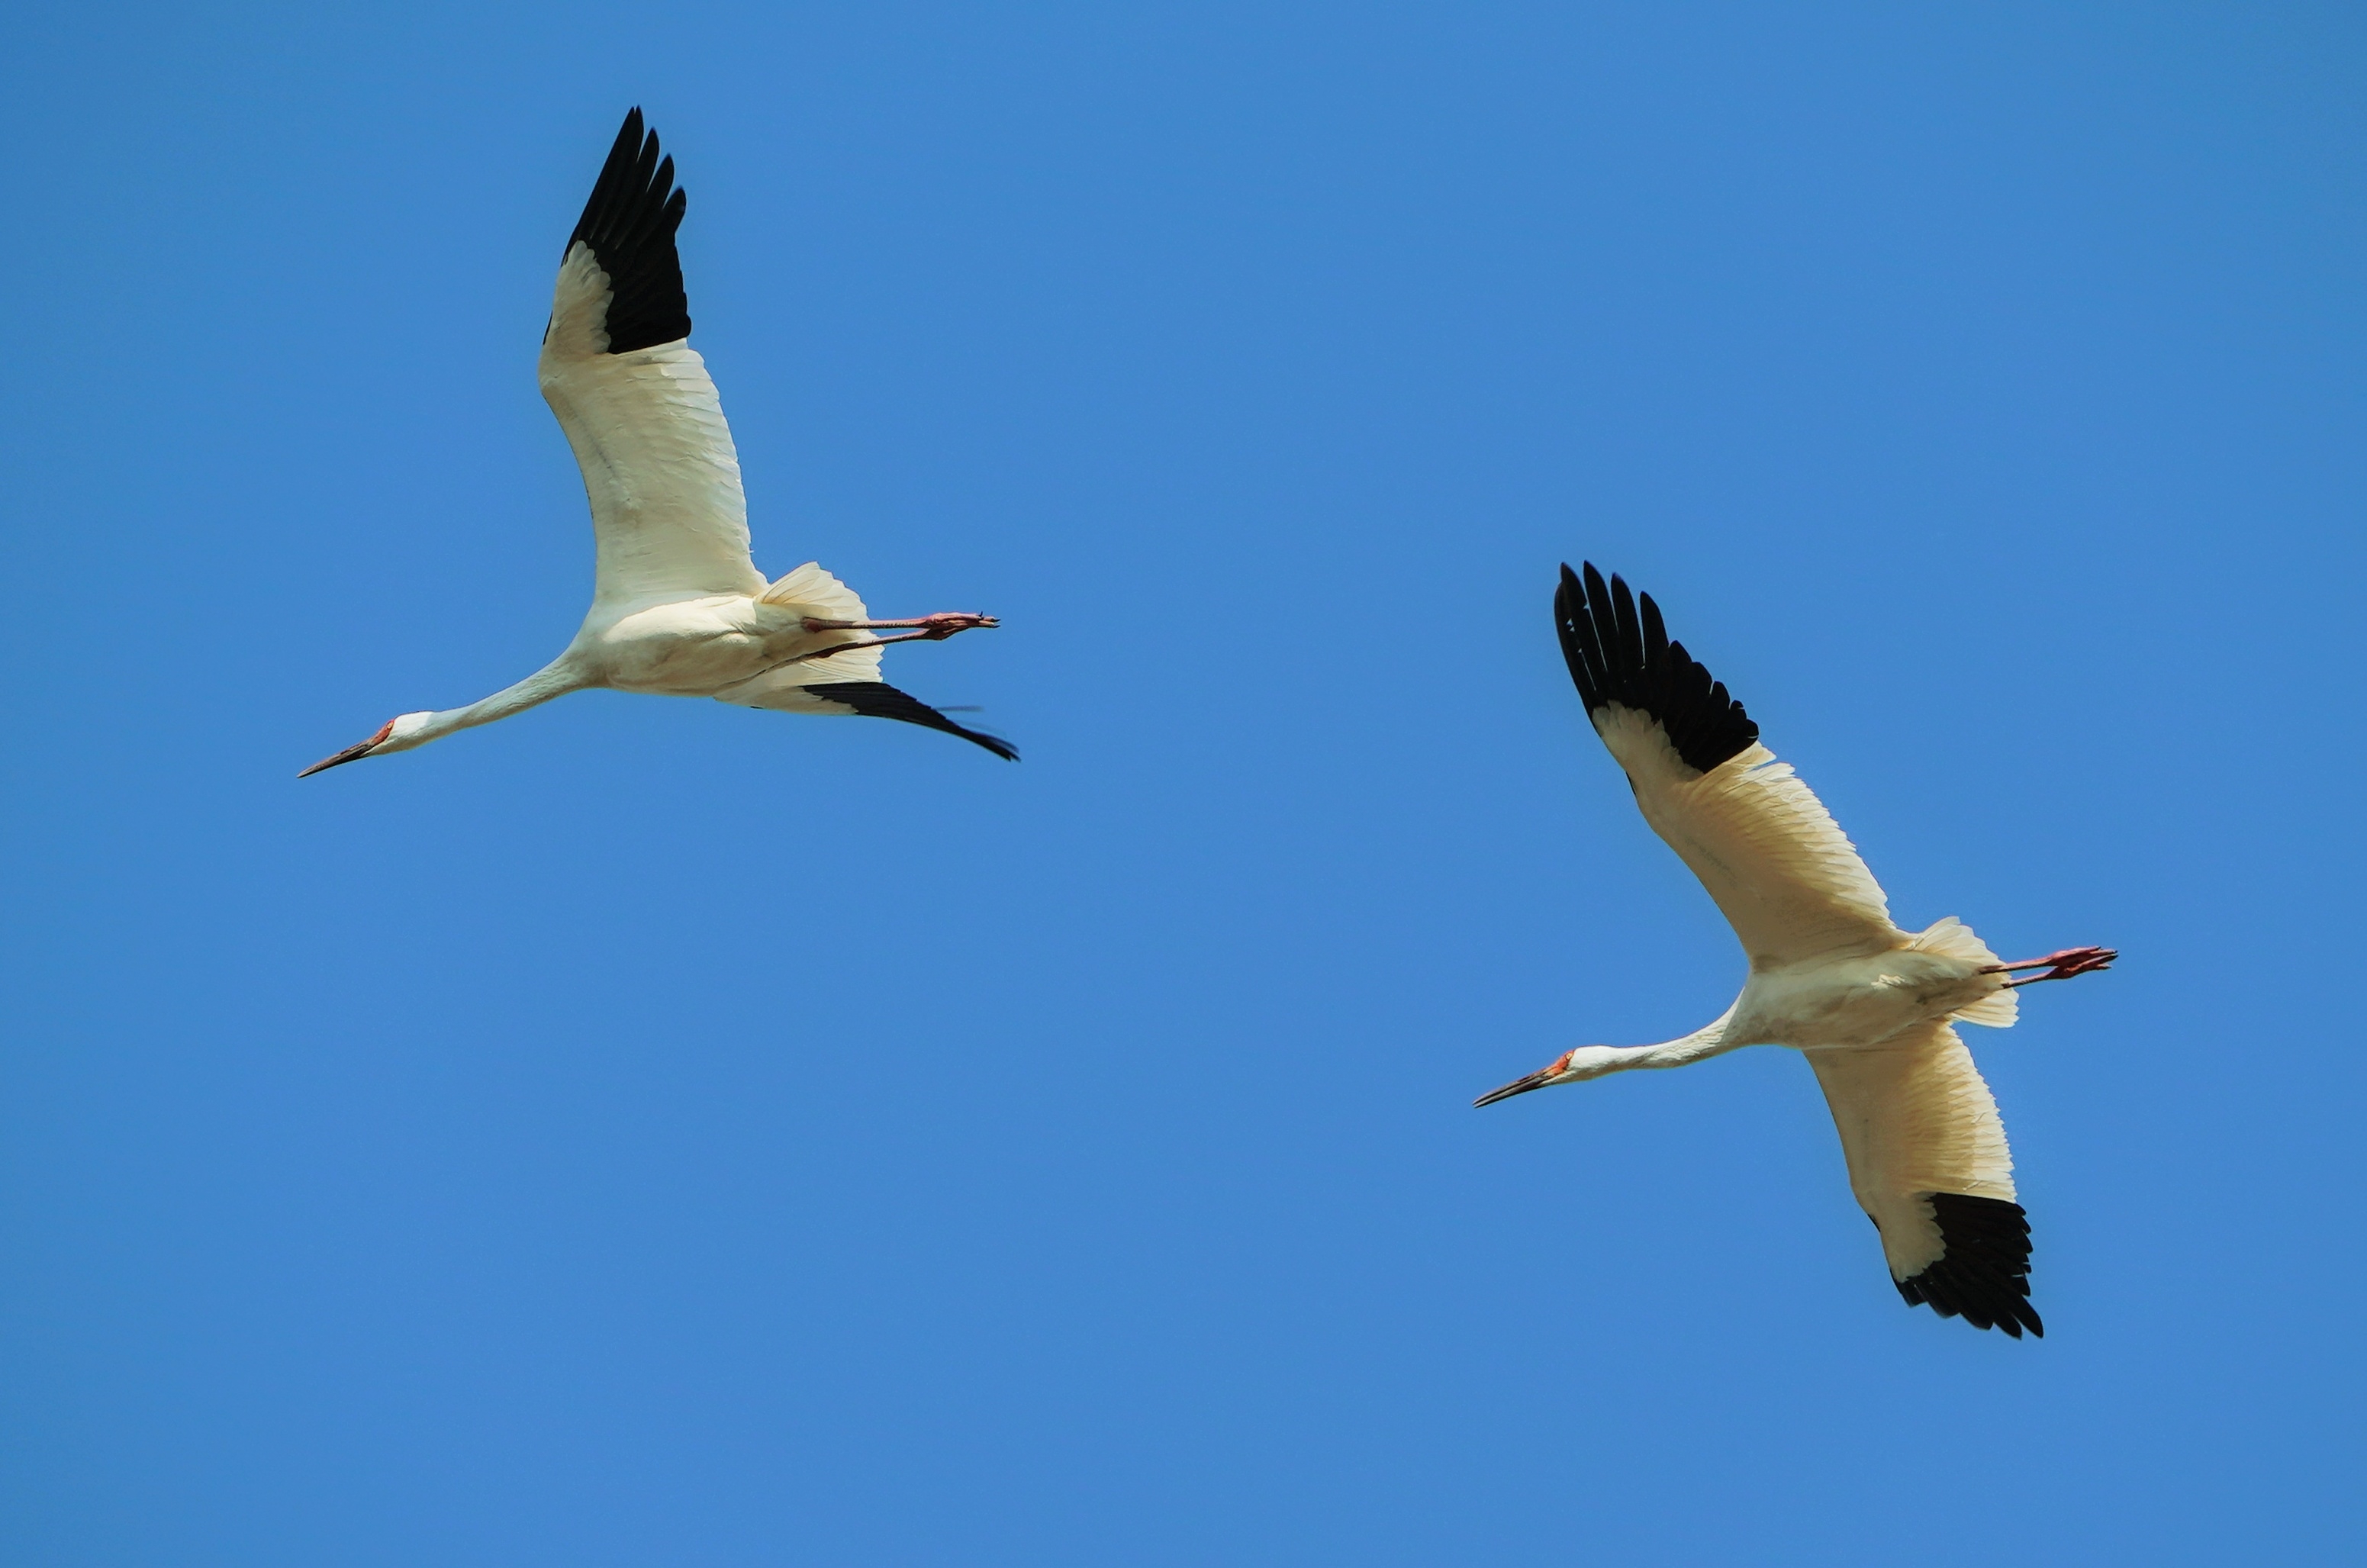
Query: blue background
(651,1132)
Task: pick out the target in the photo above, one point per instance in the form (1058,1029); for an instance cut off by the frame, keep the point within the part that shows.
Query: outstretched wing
(1928,1163)
(1786,877)
(635,399)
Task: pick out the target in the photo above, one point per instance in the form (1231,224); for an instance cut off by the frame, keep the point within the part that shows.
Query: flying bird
(1872,1007)
(678,607)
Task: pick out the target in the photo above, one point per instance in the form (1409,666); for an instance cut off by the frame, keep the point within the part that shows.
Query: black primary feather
(1983,1276)
(629,223)
(1619,652)
(877,699)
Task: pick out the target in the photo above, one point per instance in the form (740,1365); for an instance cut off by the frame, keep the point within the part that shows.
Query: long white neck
(553,680)
(1710,1040)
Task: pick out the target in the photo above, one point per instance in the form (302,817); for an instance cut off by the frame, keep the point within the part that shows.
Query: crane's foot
(2060,965)
(933,628)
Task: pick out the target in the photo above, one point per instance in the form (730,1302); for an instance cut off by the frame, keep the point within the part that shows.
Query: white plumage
(1871,1006)
(678,607)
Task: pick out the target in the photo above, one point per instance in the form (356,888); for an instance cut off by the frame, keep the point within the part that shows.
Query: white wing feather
(658,463)
(1915,1118)
(1784,875)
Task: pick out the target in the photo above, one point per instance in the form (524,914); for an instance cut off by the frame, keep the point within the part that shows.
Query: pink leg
(934,628)
(2061,965)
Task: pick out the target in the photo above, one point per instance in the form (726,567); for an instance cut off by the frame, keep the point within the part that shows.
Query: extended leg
(934,628)
(2060,965)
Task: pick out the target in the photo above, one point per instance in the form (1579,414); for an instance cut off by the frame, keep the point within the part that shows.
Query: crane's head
(399,733)
(1574,1065)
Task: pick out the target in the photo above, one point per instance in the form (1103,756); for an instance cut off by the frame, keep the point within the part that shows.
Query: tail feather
(1953,938)
(816,593)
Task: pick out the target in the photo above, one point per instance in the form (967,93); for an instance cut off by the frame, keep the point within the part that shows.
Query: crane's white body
(1872,1007)
(678,607)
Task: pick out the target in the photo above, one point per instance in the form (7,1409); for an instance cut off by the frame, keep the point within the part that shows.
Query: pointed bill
(351,753)
(1538,1079)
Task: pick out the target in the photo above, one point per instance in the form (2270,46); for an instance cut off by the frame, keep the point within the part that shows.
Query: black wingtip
(629,223)
(877,699)
(1983,1274)
(1576,631)
(1619,652)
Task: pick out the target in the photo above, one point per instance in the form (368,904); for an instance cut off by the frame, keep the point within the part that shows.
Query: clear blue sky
(650,1132)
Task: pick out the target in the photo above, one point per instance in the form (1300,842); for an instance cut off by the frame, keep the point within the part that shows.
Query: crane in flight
(678,607)
(1872,1007)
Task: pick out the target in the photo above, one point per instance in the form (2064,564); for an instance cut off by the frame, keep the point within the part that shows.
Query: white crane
(678,608)
(1871,1006)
